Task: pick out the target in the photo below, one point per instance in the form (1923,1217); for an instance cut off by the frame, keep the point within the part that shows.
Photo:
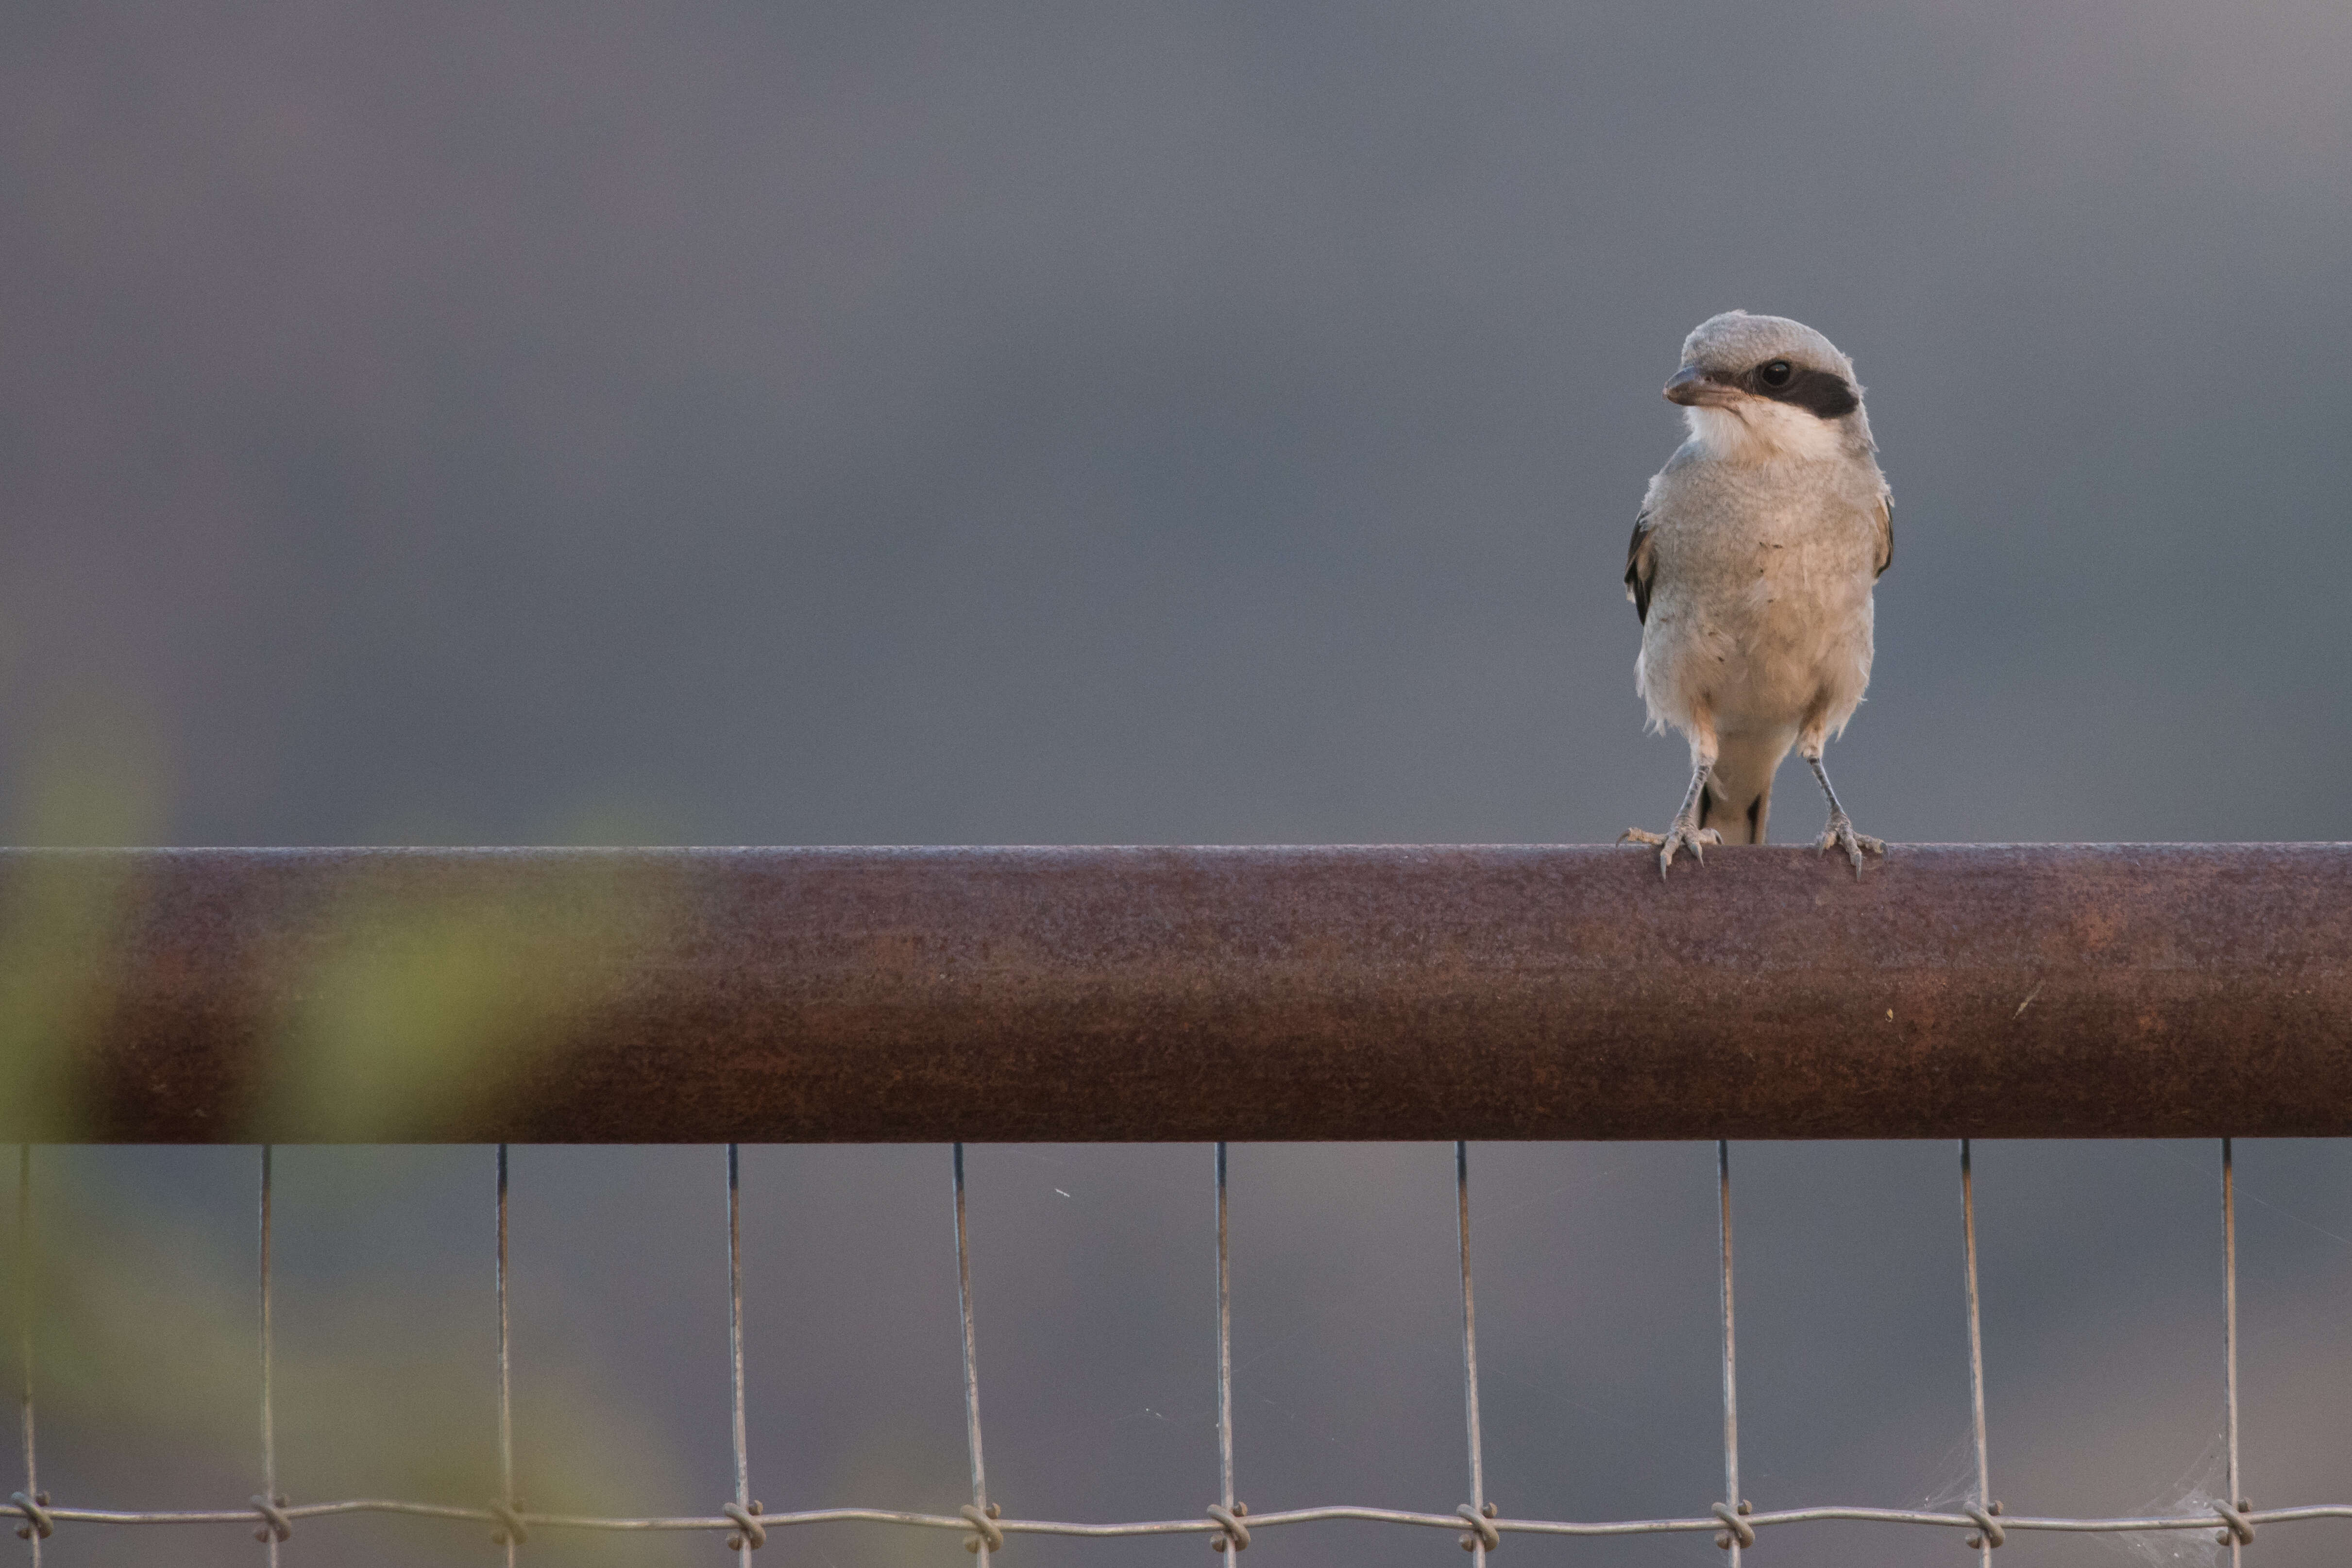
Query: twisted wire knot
(1988,1530)
(748,1527)
(274,1523)
(509,1524)
(36,1514)
(2241,1529)
(1232,1535)
(1488,1535)
(984,1522)
(1740,1528)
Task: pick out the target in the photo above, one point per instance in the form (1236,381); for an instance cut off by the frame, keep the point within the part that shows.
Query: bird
(1752,566)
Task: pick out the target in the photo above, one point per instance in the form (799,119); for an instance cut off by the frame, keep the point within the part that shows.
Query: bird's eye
(1776,373)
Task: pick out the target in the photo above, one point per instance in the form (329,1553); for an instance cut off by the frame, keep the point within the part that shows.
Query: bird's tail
(1738,800)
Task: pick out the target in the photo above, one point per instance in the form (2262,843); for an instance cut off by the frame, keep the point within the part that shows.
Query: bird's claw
(1839,834)
(1686,834)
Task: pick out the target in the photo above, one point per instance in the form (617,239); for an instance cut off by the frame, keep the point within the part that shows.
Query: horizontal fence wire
(1481,1525)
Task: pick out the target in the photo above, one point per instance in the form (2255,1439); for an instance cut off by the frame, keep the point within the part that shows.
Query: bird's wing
(1886,535)
(1641,565)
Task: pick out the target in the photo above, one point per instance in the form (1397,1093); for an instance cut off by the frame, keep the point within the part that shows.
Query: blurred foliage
(95,782)
(407,1000)
(420,1006)
(408,1003)
(140,1324)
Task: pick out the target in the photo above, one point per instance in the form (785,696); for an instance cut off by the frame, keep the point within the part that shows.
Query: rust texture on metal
(1163,994)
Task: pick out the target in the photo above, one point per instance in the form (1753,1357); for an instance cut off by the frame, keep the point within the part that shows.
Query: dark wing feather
(1886,535)
(1640,567)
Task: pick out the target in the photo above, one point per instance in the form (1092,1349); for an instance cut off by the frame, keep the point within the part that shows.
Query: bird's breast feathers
(1758,589)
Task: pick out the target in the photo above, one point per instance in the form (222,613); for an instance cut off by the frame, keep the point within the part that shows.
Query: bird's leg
(1685,834)
(1840,832)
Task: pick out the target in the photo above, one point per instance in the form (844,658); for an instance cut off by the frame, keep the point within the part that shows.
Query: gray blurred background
(1113,424)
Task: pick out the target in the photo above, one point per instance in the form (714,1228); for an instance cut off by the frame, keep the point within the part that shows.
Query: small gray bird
(1751,569)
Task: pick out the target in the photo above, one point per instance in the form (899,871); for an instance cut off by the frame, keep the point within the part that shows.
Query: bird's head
(1768,386)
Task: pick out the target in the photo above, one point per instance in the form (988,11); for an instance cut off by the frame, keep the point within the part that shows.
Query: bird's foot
(1686,834)
(1839,834)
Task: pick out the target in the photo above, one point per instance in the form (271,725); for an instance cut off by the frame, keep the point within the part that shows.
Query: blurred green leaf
(425,1004)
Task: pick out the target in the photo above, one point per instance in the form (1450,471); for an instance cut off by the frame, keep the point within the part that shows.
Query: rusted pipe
(1146,994)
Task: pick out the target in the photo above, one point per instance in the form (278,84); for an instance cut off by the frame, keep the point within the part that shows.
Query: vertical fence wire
(510,1536)
(25,1308)
(981,1516)
(1975,1345)
(743,1540)
(1224,1347)
(985,1534)
(1737,1533)
(268,1535)
(2236,1537)
(1482,1532)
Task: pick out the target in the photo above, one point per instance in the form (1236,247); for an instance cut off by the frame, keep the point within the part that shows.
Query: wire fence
(1228,1523)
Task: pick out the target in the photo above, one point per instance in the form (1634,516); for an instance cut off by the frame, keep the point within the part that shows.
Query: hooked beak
(1692,388)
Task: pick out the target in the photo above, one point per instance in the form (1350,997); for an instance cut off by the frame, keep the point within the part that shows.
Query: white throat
(1758,430)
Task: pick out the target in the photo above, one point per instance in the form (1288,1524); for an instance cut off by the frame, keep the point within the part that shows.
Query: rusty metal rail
(1172,994)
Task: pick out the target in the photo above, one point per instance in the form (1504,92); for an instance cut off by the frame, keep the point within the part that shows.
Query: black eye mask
(1821,392)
